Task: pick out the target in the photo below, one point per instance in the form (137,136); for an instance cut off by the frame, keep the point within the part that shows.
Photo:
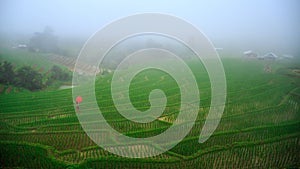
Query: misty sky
(265,25)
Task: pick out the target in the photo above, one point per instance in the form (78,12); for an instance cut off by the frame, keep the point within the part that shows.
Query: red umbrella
(78,99)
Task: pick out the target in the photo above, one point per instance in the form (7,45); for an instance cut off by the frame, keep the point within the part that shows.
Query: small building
(22,46)
(285,56)
(270,55)
(250,54)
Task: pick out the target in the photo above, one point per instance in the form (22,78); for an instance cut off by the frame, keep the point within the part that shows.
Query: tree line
(29,78)
(45,42)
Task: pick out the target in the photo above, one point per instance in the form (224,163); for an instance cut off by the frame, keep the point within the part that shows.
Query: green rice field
(259,127)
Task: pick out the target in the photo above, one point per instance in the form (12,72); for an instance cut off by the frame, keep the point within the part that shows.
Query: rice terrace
(259,127)
(149,84)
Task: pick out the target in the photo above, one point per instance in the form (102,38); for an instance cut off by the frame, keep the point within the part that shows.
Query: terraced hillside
(259,127)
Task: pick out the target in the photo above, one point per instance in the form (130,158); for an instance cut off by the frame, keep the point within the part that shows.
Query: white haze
(260,25)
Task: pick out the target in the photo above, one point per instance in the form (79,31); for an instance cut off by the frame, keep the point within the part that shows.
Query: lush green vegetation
(29,78)
(259,127)
(22,70)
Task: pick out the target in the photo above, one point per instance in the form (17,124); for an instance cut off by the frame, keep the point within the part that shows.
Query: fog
(259,25)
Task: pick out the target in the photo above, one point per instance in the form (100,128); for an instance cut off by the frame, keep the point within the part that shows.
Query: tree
(29,78)
(7,73)
(44,41)
(56,73)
